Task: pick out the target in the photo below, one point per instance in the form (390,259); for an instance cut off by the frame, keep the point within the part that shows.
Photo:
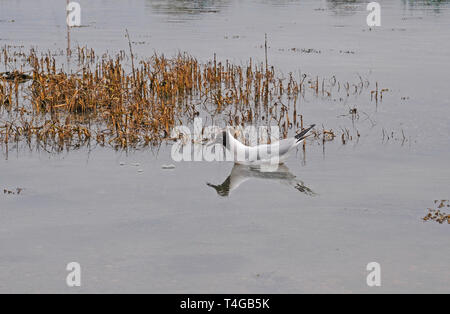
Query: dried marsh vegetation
(439,213)
(108,101)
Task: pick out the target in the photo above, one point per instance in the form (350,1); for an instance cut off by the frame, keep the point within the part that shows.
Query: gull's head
(221,135)
(224,138)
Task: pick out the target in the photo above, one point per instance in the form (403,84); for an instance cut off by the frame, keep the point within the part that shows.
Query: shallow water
(141,228)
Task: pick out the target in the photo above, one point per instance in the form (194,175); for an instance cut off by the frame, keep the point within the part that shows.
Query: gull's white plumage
(275,153)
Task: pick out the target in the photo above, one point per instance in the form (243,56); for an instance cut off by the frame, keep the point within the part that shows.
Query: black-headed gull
(275,153)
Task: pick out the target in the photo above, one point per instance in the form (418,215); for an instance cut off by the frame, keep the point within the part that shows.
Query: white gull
(274,153)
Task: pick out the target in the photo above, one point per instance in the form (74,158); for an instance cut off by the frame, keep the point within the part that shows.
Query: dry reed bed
(110,102)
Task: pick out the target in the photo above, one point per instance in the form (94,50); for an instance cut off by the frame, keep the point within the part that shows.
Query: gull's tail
(302,135)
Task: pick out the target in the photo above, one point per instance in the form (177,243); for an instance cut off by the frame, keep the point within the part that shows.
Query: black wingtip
(300,136)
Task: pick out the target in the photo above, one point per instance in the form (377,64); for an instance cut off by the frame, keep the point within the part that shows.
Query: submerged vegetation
(108,101)
(439,213)
(17,191)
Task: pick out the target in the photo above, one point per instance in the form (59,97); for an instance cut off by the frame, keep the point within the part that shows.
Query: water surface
(140,228)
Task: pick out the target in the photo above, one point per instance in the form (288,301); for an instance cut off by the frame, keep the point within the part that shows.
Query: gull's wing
(264,152)
(286,145)
(260,152)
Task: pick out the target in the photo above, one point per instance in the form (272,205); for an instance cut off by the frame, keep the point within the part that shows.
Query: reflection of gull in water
(241,173)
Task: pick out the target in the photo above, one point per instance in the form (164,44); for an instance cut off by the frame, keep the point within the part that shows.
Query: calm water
(140,228)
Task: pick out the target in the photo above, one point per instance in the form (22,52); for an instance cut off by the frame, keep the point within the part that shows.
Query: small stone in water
(168,166)
(122,163)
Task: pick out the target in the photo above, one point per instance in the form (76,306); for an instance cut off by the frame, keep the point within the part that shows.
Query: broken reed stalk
(266,56)
(131,53)
(68,51)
